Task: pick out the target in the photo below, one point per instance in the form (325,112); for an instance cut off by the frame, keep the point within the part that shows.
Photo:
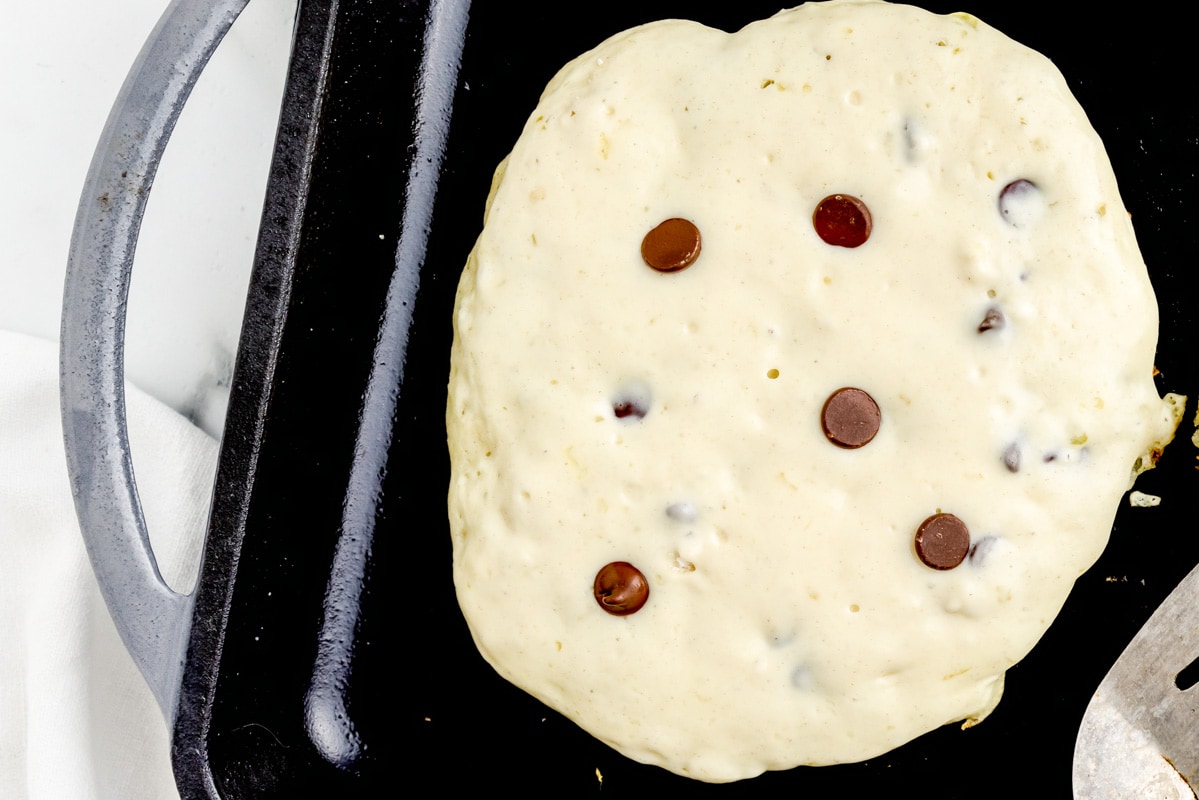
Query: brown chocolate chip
(993,320)
(1016,202)
(632,401)
(842,220)
(672,246)
(942,541)
(850,418)
(621,589)
(627,408)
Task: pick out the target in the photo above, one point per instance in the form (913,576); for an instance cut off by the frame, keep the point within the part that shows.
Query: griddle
(328,541)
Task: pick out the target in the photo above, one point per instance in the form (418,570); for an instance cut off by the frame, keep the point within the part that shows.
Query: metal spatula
(1140,735)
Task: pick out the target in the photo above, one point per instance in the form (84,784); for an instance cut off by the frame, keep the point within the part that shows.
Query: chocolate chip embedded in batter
(1011,457)
(979,550)
(801,678)
(672,246)
(850,418)
(942,541)
(627,408)
(1019,203)
(993,320)
(842,220)
(621,589)
(632,400)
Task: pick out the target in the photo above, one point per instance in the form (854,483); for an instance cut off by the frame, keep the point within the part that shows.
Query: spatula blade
(1140,734)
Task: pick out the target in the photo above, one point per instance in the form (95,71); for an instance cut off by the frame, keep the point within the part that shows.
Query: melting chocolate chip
(1011,458)
(942,541)
(979,551)
(842,220)
(672,246)
(850,418)
(632,400)
(993,320)
(1020,203)
(621,589)
(627,408)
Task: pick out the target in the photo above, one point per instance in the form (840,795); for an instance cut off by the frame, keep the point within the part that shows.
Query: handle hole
(1188,677)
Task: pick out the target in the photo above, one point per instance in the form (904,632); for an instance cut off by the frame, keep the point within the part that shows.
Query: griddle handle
(153,620)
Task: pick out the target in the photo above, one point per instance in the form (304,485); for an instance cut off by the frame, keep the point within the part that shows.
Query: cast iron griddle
(422,708)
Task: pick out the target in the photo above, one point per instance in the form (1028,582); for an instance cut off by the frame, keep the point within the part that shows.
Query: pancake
(798,373)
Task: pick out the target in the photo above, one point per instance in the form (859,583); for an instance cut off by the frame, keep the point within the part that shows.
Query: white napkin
(77,722)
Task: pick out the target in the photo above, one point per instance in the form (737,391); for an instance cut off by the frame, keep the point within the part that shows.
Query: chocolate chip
(1011,457)
(632,401)
(627,408)
(942,541)
(850,418)
(909,140)
(979,551)
(993,320)
(1020,203)
(621,589)
(842,220)
(672,246)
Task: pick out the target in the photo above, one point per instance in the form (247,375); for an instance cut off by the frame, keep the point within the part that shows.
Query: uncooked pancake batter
(798,374)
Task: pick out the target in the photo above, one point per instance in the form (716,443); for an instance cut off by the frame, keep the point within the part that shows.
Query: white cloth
(76,719)
(62,63)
